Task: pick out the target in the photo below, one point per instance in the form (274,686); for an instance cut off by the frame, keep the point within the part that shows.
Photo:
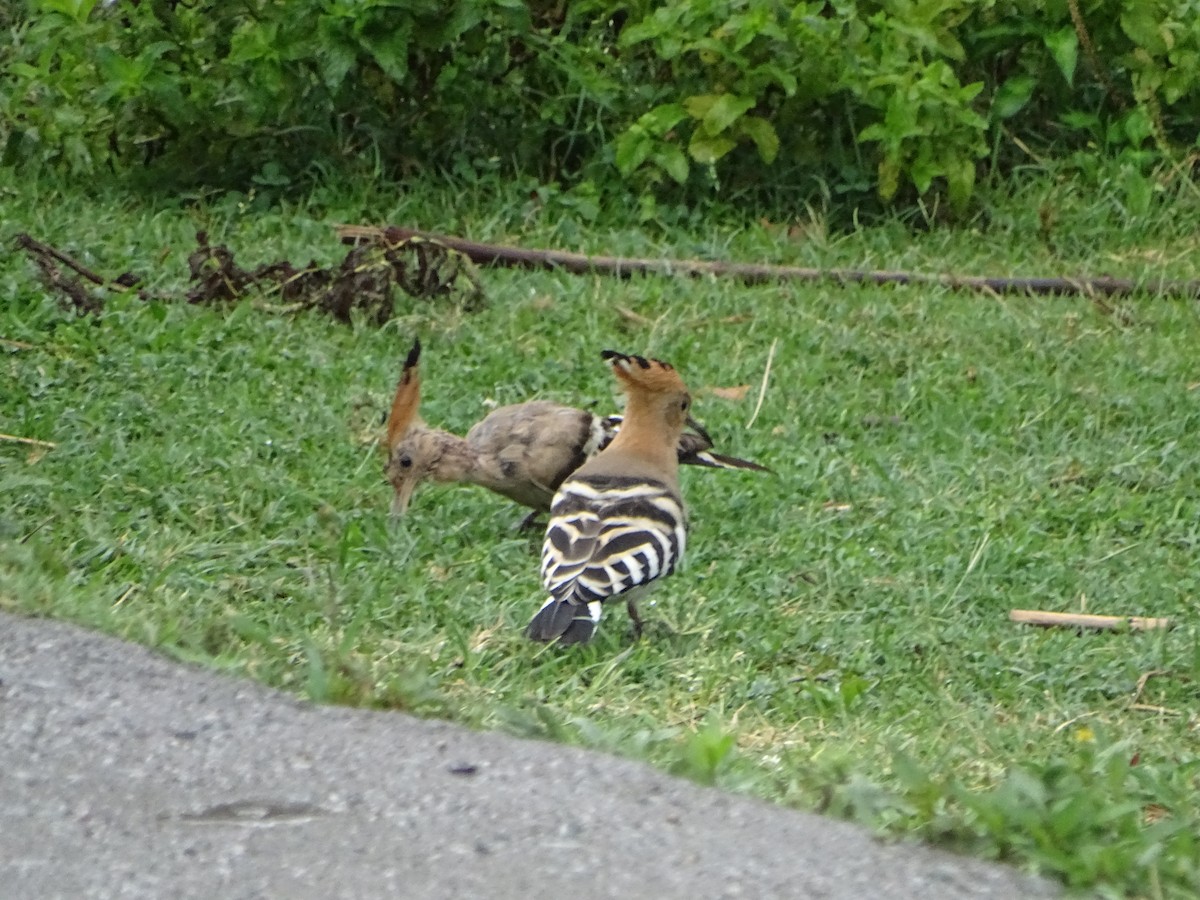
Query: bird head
(411,446)
(654,386)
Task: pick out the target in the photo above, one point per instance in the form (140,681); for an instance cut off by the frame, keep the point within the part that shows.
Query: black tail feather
(580,631)
(570,623)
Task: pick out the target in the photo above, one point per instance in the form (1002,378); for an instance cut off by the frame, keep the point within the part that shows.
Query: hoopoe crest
(617,524)
(410,453)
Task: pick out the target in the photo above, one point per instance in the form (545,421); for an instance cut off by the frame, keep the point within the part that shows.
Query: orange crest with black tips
(407,400)
(649,375)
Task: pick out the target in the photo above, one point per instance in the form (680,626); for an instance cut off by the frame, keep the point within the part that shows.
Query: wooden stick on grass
(1085,620)
(24,440)
(756,273)
(25,242)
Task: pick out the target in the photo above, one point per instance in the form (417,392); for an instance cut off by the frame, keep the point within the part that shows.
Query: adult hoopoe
(523,451)
(617,523)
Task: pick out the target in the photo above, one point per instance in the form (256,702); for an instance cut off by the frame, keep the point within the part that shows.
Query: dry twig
(24,440)
(1141,682)
(1085,620)
(762,391)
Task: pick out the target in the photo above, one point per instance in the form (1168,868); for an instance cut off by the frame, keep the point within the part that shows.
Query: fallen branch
(25,242)
(363,281)
(1085,620)
(24,440)
(32,245)
(47,260)
(755,273)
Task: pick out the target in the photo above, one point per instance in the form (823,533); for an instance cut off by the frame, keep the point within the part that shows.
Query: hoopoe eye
(405,461)
(685,404)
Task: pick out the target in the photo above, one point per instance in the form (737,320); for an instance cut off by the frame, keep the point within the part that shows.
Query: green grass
(839,636)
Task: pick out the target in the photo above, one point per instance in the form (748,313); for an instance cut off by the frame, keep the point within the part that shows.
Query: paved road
(123,774)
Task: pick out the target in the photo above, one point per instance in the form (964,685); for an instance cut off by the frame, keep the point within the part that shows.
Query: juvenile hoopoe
(523,451)
(617,523)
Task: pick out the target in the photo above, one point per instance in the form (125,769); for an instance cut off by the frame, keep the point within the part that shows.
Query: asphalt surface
(123,774)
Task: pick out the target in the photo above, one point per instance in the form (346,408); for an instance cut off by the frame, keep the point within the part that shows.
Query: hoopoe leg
(638,624)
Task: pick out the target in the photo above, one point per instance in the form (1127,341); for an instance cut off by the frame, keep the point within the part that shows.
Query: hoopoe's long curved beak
(699,429)
(403,495)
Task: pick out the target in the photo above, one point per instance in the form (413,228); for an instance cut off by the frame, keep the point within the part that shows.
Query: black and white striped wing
(609,426)
(607,535)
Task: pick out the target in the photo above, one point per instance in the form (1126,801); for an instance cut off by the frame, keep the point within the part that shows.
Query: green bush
(909,98)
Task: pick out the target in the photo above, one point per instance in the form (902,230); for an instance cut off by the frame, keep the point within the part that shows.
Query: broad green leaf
(1064,47)
(337,54)
(889,177)
(1085,121)
(390,51)
(117,67)
(1139,192)
(707,149)
(900,120)
(1012,96)
(79,10)
(725,110)
(960,179)
(874,132)
(515,15)
(156,50)
(782,77)
(1181,79)
(662,119)
(698,105)
(250,44)
(632,149)
(673,162)
(647,208)
(336,62)
(645,30)
(1136,125)
(1141,25)
(969,92)
(923,169)
(763,134)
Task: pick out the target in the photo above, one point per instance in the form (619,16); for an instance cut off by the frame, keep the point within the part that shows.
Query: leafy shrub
(264,87)
(907,99)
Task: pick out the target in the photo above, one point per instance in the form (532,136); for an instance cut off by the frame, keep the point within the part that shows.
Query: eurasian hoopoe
(523,451)
(617,523)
